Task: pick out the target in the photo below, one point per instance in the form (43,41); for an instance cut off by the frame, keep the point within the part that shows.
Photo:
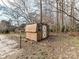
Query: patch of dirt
(7,46)
(57,46)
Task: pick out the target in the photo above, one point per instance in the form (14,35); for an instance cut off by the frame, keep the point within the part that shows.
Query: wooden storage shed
(36,31)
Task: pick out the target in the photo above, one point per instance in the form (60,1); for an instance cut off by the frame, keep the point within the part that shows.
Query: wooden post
(20,40)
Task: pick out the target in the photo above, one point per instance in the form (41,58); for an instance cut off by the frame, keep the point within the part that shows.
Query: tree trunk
(57,18)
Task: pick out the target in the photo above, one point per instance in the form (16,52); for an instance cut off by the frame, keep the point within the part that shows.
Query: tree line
(60,15)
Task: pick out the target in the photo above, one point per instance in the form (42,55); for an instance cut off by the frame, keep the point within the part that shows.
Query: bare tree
(60,13)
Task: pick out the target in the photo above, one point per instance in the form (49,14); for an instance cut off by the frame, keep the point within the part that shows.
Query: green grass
(75,41)
(71,40)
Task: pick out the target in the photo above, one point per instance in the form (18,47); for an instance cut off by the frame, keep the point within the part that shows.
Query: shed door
(44,31)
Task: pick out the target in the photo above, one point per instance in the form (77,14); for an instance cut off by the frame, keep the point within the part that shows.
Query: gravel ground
(55,47)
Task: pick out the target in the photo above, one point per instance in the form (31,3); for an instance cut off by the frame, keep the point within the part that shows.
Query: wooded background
(60,15)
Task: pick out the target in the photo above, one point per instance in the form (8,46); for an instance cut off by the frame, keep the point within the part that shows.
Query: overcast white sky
(4,1)
(1,16)
(31,4)
(0,2)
